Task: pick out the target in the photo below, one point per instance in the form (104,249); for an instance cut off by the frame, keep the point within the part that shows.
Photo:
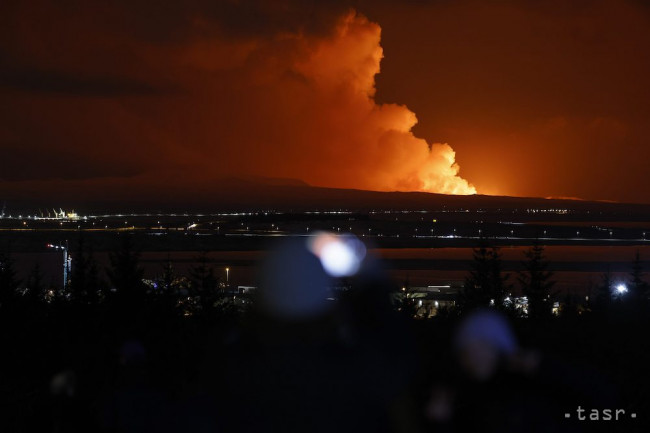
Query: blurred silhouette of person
(66,408)
(482,341)
(486,395)
(135,404)
(381,331)
(439,407)
(296,367)
(500,387)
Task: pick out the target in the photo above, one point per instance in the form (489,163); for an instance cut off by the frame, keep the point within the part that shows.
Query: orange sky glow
(532,99)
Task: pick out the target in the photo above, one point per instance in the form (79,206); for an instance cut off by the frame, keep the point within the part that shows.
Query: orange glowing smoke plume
(302,106)
(370,145)
(278,102)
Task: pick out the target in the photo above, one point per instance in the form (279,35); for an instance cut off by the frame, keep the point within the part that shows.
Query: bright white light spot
(621,288)
(340,256)
(338,259)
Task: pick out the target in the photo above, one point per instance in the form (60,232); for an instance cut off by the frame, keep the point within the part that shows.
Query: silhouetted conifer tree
(204,281)
(8,281)
(125,273)
(94,280)
(536,283)
(167,281)
(638,290)
(486,285)
(167,288)
(35,284)
(604,290)
(84,283)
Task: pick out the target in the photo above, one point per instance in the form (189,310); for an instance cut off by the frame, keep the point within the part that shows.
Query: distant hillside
(252,193)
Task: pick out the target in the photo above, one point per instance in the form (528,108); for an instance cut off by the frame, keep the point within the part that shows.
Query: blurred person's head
(132,353)
(482,340)
(294,284)
(64,384)
(440,406)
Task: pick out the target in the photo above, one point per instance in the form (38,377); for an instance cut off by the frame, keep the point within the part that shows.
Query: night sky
(544,98)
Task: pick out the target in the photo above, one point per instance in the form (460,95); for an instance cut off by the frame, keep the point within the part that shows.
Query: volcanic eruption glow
(285,102)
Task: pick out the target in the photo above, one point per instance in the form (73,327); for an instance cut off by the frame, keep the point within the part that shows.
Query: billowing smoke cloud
(303,106)
(210,103)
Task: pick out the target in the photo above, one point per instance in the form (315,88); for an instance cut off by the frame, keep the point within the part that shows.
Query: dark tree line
(487,285)
(121,283)
(632,294)
(536,282)
(9,283)
(85,283)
